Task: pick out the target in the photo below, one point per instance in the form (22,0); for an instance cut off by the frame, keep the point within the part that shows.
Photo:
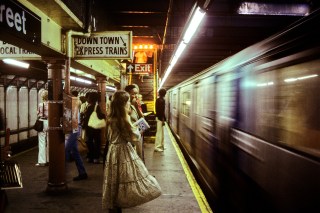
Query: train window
(174,101)
(205,95)
(186,103)
(283,106)
(257,111)
(299,114)
(226,95)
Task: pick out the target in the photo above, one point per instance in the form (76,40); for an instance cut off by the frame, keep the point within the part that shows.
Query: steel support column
(102,103)
(57,175)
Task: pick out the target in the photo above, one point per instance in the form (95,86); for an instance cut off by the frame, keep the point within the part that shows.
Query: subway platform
(180,192)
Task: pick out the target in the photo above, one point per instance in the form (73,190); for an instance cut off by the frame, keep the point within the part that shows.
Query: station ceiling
(222,33)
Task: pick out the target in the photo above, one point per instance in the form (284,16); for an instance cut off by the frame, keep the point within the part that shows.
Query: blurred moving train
(250,125)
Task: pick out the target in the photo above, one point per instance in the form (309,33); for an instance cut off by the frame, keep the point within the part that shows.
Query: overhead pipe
(165,33)
(204,4)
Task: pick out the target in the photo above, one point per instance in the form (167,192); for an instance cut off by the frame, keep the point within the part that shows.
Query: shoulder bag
(94,121)
(38,125)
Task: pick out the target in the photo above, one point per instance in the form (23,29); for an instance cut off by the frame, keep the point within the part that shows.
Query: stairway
(150,134)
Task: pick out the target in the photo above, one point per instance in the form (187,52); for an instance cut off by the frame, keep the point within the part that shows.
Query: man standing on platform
(71,149)
(161,118)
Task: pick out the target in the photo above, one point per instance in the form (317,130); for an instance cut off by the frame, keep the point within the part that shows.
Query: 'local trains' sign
(104,45)
(11,51)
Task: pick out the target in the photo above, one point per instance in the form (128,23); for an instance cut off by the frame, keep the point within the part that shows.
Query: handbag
(10,175)
(95,122)
(82,146)
(38,125)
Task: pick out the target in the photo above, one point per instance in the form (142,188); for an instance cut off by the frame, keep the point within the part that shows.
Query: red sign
(139,68)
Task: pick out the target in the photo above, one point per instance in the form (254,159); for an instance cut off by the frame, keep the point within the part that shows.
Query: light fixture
(191,27)
(16,63)
(80,80)
(110,88)
(280,9)
(143,46)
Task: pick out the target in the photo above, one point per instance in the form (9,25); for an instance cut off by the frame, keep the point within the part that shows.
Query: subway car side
(250,125)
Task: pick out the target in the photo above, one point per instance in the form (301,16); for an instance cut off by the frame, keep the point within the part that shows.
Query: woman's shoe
(41,164)
(115,210)
(96,161)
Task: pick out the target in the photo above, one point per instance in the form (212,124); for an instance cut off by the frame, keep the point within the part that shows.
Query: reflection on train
(250,124)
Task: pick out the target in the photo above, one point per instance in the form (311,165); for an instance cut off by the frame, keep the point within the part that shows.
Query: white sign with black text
(11,51)
(104,45)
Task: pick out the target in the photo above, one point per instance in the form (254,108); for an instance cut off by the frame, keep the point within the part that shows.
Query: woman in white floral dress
(126,181)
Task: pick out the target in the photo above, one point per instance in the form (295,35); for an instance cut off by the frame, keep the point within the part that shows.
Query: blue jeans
(71,149)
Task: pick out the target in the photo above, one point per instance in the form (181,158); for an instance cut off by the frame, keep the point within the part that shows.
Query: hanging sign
(104,45)
(141,69)
(10,51)
(19,21)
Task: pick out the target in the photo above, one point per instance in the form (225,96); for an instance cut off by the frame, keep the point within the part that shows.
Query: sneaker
(158,150)
(81,177)
(41,164)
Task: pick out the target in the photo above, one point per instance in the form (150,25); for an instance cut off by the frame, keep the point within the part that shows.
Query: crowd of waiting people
(122,184)
(126,180)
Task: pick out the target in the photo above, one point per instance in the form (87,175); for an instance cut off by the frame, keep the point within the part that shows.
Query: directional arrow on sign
(124,43)
(130,67)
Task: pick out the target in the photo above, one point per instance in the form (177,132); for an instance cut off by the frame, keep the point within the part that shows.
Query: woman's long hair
(118,115)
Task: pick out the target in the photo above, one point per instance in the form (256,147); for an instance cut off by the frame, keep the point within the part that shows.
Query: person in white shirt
(43,154)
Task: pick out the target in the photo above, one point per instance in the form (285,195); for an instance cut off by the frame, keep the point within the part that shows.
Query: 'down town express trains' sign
(104,45)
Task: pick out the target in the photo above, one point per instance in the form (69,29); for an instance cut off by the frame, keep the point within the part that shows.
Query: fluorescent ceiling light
(255,8)
(16,63)
(80,80)
(179,51)
(111,88)
(193,25)
(81,73)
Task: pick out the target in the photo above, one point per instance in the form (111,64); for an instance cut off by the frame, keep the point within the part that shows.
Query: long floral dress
(126,181)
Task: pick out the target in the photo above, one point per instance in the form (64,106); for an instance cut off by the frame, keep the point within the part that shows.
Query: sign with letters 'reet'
(17,20)
(104,45)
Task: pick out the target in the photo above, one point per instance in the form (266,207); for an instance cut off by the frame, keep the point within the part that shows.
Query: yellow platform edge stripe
(197,191)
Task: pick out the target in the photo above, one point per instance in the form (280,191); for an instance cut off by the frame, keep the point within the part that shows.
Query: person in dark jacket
(161,118)
(93,135)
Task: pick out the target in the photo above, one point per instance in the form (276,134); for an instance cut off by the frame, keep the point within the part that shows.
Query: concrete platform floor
(85,196)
